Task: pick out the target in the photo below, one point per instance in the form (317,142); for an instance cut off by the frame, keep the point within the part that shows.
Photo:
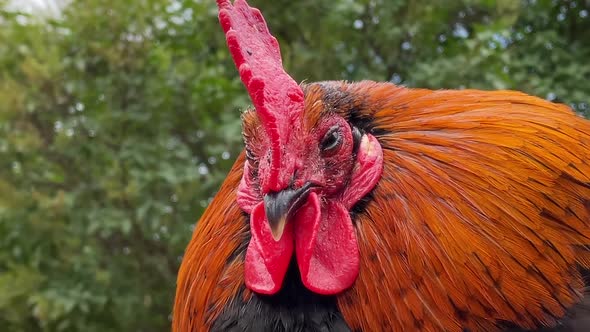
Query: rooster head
(306,168)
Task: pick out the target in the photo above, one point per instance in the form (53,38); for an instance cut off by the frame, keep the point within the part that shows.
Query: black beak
(281,206)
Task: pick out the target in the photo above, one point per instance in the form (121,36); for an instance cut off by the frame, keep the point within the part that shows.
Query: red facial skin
(321,232)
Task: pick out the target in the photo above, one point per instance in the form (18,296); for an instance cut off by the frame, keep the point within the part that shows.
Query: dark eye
(331,140)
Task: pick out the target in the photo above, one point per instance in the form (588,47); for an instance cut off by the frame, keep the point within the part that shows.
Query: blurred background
(119,119)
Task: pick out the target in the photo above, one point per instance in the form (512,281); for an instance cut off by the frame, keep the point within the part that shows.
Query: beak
(281,206)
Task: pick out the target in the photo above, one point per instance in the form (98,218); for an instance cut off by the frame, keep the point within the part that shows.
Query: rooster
(373,207)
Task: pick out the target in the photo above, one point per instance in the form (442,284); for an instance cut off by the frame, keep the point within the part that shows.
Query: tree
(117,125)
(118,121)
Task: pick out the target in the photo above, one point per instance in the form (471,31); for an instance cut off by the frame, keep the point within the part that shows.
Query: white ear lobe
(369,147)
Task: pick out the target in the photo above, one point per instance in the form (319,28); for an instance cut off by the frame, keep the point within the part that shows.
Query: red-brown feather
(481,216)
(208,277)
(484,200)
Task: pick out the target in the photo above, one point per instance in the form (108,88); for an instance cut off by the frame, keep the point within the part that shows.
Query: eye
(250,155)
(332,140)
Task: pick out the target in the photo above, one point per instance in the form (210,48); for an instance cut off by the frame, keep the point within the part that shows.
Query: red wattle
(267,260)
(326,247)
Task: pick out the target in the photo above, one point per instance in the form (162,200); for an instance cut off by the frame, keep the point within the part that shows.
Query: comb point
(223,3)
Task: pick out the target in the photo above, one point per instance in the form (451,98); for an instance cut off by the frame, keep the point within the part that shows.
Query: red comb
(278,99)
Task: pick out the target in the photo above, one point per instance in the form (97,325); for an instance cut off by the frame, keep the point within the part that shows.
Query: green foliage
(119,119)
(109,150)
(536,46)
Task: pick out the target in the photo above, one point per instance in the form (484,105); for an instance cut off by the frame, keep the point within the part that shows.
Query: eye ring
(331,140)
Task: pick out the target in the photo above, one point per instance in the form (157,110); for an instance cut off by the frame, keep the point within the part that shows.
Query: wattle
(266,260)
(326,247)
(324,241)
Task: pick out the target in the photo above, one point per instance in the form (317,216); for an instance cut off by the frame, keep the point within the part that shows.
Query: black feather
(293,309)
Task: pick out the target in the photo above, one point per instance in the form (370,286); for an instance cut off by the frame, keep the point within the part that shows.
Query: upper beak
(281,206)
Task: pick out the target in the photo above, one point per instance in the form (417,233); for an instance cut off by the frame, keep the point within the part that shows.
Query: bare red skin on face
(321,234)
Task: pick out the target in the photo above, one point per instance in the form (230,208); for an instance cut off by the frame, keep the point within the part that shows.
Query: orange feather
(212,269)
(484,198)
(482,214)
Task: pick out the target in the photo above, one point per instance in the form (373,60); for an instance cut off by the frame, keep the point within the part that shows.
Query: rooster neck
(293,308)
